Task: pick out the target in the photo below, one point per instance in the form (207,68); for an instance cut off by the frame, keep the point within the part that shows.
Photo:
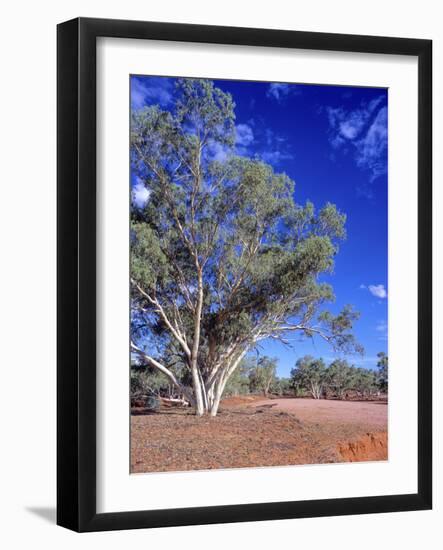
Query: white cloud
(276,148)
(372,147)
(279,91)
(378,291)
(244,135)
(256,139)
(150,90)
(218,152)
(140,194)
(275,157)
(363,131)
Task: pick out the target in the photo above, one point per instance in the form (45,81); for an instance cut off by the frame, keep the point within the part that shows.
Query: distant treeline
(339,378)
(310,377)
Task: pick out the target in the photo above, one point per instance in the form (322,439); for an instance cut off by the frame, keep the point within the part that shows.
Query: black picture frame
(76,264)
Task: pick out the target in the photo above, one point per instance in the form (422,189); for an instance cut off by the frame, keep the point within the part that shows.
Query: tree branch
(159,309)
(156,364)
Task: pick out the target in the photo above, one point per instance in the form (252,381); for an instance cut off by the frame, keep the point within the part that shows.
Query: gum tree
(340,377)
(382,365)
(222,256)
(310,374)
(263,374)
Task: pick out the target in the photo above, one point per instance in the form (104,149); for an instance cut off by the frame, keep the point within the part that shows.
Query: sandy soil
(259,432)
(331,411)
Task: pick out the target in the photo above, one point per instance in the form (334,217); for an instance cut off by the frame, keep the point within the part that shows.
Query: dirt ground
(331,411)
(254,432)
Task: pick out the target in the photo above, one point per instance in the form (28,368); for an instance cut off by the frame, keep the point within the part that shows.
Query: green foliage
(238,383)
(147,381)
(152,403)
(310,374)
(340,377)
(365,382)
(225,231)
(257,376)
(382,365)
(148,263)
(205,111)
(281,386)
(299,391)
(263,375)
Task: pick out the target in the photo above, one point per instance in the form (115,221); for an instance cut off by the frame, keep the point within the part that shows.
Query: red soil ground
(370,447)
(253,432)
(331,411)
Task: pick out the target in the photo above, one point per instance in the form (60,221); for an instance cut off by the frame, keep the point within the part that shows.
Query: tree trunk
(316,391)
(218,392)
(208,393)
(198,394)
(196,376)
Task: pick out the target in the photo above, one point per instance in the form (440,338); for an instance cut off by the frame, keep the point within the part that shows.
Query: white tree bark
(195,373)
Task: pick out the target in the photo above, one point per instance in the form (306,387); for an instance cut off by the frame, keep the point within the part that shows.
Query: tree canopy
(222,256)
(264,374)
(312,375)
(382,365)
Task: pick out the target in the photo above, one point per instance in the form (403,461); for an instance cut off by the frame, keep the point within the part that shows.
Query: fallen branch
(175,401)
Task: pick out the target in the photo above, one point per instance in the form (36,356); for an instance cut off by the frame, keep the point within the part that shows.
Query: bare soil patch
(370,447)
(238,400)
(256,433)
(332,411)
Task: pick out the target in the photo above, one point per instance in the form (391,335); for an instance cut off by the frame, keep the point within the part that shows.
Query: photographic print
(258,274)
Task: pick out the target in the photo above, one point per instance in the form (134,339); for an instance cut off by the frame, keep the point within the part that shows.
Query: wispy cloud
(364,131)
(280,91)
(147,90)
(371,149)
(379,291)
(382,328)
(218,152)
(244,135)
(276,148)
(257,139)
(140,194)
(275,157)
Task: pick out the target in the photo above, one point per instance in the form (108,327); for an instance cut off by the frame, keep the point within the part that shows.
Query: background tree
(238,383)
(282,386)
(311,375)
(340,377)
(146,382)
(221,255)
(365,382)
(382,365)
(263,375)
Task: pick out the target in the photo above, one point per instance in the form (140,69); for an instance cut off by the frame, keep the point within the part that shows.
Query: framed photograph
(244,274)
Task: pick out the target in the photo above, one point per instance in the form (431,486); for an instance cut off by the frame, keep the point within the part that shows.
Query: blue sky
(332,141)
